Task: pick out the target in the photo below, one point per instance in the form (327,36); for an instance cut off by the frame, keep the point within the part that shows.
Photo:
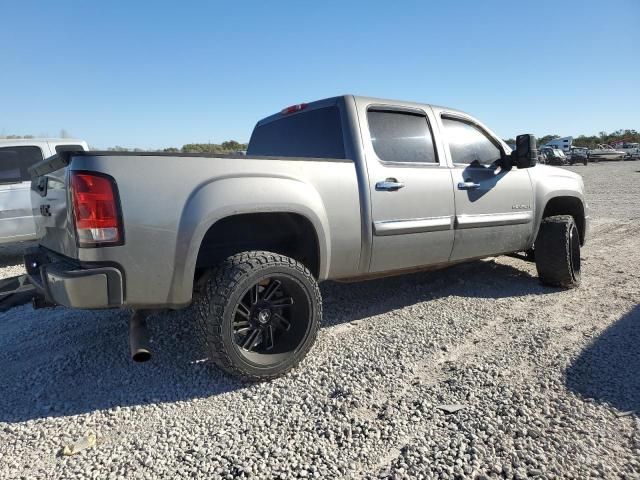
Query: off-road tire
(224,288)
(558,252)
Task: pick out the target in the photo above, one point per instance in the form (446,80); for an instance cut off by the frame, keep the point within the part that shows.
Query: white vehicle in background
(16,156)
(605,152)
(563,143)
(631,149)
(552,156)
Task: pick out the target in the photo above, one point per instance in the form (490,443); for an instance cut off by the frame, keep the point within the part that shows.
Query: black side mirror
(506,161)
(526,153)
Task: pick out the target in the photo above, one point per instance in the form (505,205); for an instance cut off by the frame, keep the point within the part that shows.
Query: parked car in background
(16,156)
(346,188)
(578,155)
(552,156)
(631,149)
(563,143)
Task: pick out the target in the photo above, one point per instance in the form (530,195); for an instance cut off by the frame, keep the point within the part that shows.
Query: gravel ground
(549,379)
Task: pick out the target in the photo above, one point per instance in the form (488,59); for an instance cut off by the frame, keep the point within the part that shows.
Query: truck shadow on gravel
(345,302)
(608,370)
(60,362)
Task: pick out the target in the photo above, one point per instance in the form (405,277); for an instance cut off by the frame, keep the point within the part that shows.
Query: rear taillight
(96,210)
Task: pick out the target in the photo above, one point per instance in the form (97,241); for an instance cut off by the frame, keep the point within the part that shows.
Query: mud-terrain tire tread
(553,252)
(223,281)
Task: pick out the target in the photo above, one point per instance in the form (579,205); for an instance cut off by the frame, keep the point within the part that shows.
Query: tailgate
(50,203)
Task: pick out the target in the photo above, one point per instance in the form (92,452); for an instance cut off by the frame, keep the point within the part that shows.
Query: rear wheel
(558,252)
(260,314)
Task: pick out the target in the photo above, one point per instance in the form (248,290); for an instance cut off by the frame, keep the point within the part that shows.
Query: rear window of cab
(313,133)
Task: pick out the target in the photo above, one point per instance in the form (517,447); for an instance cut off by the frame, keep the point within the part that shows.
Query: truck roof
(358,98)
(30,141)
(405,103)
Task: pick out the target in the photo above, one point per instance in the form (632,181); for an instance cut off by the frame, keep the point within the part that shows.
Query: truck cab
(437,194)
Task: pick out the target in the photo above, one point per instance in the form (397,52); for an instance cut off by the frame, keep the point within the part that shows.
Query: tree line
(232,146)
(591,141)
(229,146)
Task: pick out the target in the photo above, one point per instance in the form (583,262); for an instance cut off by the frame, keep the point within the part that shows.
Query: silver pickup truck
(346,188)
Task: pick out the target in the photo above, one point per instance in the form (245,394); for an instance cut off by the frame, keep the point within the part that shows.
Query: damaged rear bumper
(63,281)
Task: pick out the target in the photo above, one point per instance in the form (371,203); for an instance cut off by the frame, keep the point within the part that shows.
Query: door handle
(389,185)
(468,186)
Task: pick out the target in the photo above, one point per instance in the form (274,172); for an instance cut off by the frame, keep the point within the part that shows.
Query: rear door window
(15,162)
(401,137)
(468,144)
(314,133)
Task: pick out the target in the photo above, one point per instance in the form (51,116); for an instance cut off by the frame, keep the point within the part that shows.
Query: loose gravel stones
(543,374)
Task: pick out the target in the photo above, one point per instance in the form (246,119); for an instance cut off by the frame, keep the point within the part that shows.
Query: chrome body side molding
(412,225)
(493,219)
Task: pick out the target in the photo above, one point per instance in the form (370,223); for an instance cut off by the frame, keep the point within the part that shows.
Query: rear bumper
(65,282)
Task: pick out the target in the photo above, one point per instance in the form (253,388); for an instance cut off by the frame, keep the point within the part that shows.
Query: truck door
(16,216)
(494,207)
(411,191)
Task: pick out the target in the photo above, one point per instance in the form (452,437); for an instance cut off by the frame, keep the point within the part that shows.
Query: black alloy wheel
(259,313)
(270,320)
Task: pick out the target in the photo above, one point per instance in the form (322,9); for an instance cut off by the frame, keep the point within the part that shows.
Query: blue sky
(158,74)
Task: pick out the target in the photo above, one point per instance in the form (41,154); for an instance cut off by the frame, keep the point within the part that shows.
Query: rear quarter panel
(168,204)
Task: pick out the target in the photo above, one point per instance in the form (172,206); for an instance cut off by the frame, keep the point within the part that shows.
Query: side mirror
(526,153)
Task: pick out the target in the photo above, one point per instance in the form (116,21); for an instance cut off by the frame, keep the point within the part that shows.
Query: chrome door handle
(389,185)
(468,186)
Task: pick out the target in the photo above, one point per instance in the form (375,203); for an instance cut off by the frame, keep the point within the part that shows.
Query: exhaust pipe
(38,302)
(139,341)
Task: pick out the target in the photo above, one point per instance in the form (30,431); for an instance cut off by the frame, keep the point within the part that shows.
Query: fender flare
(235,195)
(543,201)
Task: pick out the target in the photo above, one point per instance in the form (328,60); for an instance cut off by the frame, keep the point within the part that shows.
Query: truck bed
(169,201)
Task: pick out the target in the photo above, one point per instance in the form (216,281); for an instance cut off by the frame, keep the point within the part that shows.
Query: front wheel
(558,252)
(260,313)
